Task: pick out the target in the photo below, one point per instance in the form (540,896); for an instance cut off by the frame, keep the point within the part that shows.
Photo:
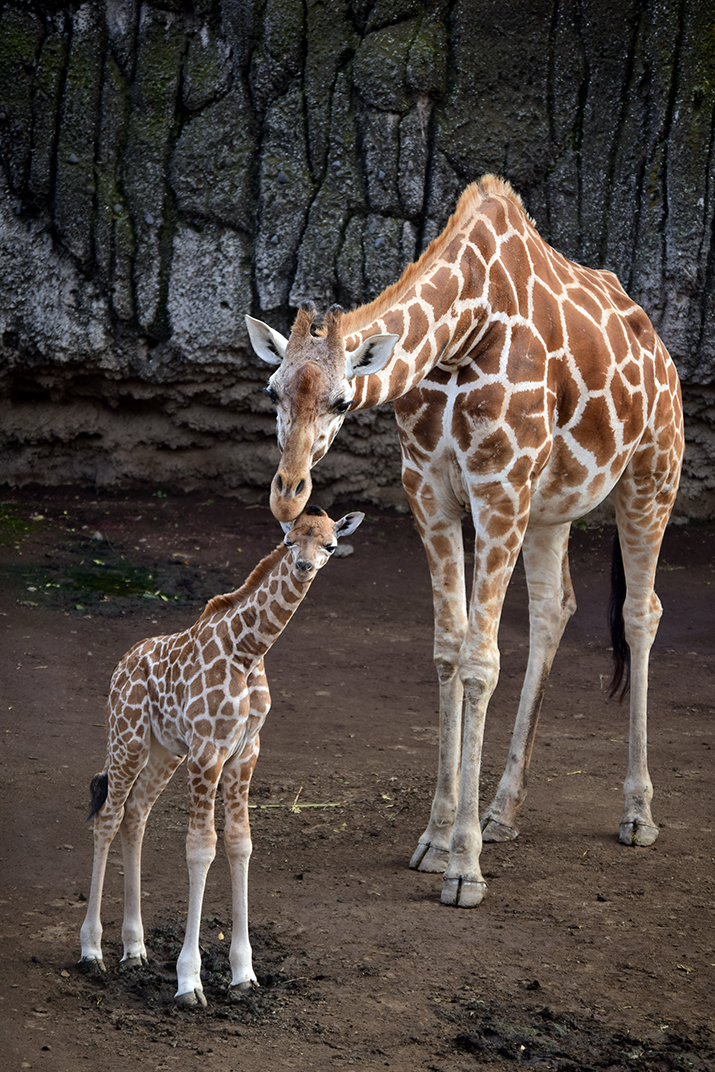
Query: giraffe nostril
(279,484)
(299,486)
(306,567)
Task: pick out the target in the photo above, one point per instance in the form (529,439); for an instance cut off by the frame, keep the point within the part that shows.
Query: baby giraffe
(201,695)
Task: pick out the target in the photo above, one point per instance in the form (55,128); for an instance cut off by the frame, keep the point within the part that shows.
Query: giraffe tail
(620,682)
(98,787)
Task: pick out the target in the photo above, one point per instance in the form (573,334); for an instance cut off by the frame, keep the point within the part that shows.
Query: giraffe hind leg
(551,604)
(109,792)
(107,821)
(150,783)
(640,534)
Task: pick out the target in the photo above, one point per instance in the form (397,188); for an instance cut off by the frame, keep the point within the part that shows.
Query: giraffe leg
(442,538)
(124,766)
(106,824)
(152,780)
(551,604)
(237,831)
(499,522)
(641,523)
(204,771)
(237,836)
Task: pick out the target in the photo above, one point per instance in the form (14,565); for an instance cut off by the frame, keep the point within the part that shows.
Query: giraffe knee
(446,667)
(478,682)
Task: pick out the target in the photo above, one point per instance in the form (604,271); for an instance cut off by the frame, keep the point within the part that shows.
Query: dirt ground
(585,955)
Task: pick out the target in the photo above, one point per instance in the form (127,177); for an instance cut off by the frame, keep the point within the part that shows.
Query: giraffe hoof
(237,991)
(133,962)
(191,998)
(91,965)
(430,859)
(463,892)
(493,830)
(637,833)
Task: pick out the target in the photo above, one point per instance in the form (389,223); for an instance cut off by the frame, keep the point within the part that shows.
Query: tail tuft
(98,787)
(621,680)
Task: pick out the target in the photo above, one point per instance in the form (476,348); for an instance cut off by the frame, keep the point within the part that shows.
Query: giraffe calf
(199,695)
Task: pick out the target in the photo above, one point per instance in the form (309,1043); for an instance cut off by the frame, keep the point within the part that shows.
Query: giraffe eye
(330,547)
(343,405)
(271,394)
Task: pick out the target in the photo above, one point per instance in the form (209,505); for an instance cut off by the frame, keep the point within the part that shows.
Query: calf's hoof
(237,991)
(191,998)
(91,965)
(133,962)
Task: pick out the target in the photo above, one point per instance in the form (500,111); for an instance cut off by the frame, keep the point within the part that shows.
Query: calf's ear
(347,525)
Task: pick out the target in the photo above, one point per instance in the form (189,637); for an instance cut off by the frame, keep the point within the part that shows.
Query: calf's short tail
(620,682)
(98,788)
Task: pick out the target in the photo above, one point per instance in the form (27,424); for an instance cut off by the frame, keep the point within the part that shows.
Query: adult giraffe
(526,389)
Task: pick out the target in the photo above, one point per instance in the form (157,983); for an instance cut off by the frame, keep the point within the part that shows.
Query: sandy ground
(585,955)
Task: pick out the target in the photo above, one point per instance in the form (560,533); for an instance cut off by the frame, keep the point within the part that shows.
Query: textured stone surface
(165,168)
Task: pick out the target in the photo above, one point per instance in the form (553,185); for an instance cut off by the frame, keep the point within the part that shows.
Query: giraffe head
(313,537)
(312,389)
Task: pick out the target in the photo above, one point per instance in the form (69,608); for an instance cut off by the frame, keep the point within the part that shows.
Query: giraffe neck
(438,319)
(443,304)
(258,612)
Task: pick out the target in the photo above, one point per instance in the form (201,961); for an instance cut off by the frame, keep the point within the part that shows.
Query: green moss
(20,36)
(427,64)
(45,110)
(13,527)
(157,79)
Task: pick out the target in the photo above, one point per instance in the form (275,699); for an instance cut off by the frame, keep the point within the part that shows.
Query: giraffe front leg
(432,852)
(463,884)
(495,554)
(237,837)
(442,539)
(200,852)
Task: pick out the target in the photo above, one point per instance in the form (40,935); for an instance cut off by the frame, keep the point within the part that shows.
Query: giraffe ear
(270,345)
(371,356)
(346,525)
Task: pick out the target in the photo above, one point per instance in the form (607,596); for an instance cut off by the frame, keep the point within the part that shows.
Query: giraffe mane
(231,599)
(470,200)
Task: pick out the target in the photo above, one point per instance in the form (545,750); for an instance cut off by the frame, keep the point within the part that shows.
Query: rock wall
(167,167)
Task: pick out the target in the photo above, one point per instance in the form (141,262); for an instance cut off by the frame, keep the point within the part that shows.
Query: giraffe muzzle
(289,496)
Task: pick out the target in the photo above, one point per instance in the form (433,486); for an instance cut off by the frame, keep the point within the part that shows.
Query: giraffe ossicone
(200,695)
(527,389)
